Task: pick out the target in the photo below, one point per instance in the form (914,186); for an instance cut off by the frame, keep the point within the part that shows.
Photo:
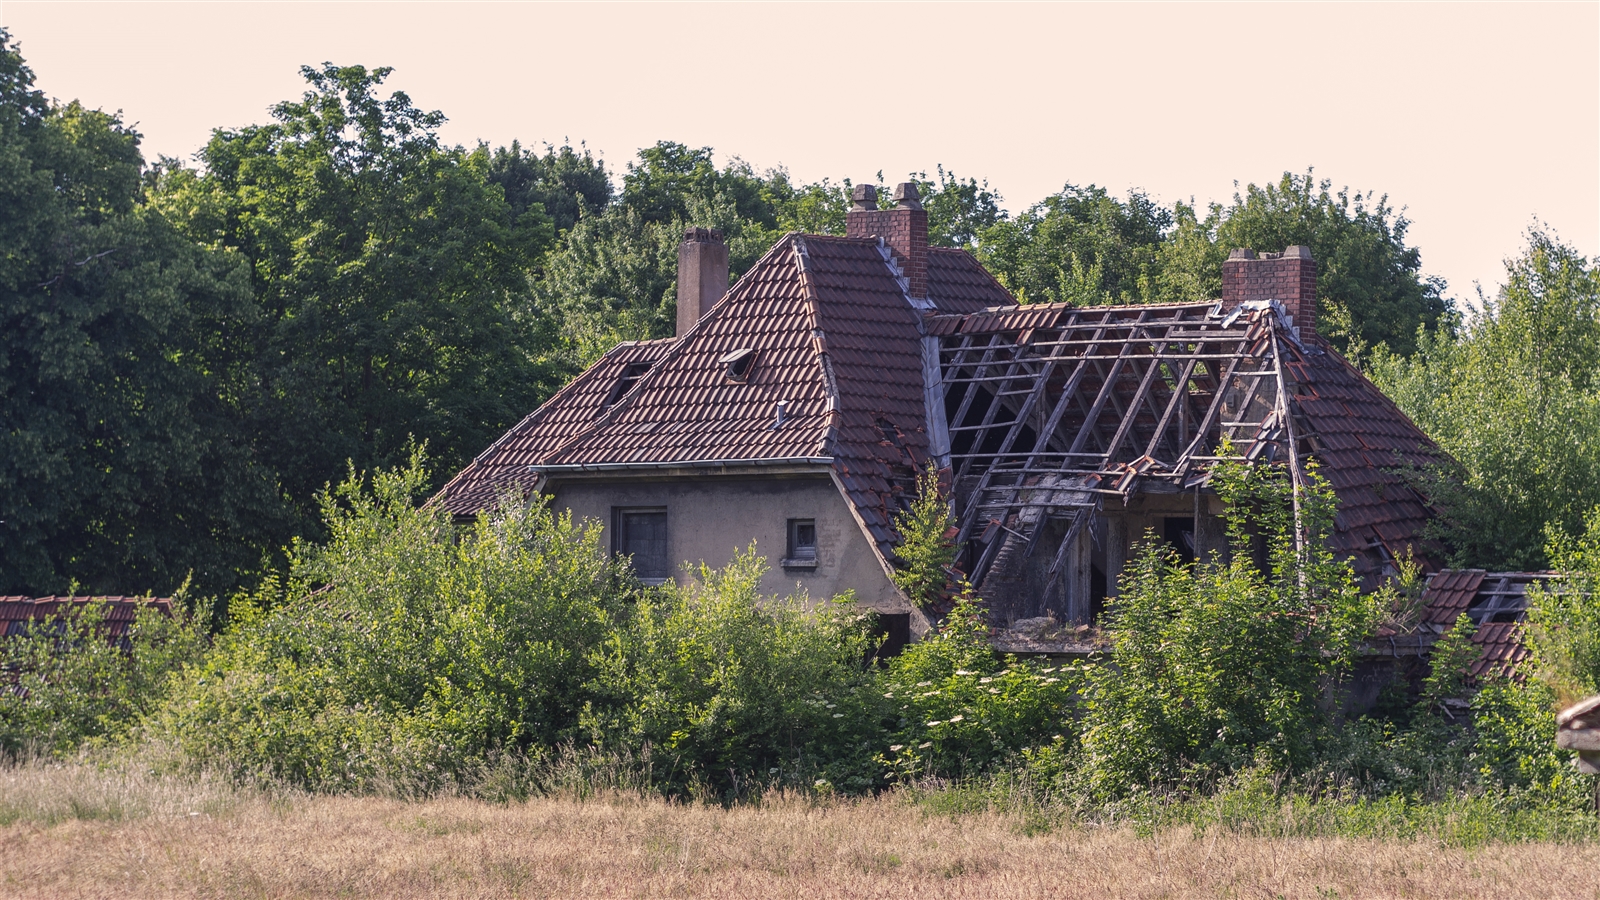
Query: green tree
(1080,245)
(1370,289)
(1513,397)
(122,466)
(391,274)
(563,183)
(959,212)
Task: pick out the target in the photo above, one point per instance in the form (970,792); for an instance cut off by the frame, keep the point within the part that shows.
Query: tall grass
(86,828)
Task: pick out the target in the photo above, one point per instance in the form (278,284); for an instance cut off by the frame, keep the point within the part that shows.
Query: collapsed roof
(1054,409)
(1495,602)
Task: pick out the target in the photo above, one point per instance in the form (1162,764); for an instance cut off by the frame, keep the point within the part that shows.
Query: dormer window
(630,375)
(739,363)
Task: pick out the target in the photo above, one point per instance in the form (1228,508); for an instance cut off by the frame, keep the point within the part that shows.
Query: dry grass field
(74,831)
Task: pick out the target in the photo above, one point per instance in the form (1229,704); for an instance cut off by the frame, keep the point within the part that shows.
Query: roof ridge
(819,345)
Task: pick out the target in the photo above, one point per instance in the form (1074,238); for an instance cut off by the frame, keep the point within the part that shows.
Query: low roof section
(17,614)
(834,378)
(1496,602)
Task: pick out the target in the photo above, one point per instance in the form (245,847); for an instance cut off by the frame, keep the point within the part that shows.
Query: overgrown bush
(732,691)
(962,710)
(1217,664)
(67,686)
(927,546)
(403,652)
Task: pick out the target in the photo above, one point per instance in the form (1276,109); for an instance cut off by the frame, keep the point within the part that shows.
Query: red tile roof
(835,338)
(1361,440)
(504,465)
(16,613)
(1495,601)
(957,283)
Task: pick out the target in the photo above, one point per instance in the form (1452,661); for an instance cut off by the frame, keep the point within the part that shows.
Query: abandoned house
(795,408)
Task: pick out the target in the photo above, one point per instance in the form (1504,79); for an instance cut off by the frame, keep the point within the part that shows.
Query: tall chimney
(702,275)
(904,228)
(1289,277)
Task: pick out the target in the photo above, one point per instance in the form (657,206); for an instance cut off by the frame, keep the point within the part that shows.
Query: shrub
(963,711)
(405,652)
(927,547)
(732,691)
(1218,665)
(73,687)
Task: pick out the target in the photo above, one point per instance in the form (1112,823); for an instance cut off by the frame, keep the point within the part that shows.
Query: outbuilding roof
(17,614)
(1496,602)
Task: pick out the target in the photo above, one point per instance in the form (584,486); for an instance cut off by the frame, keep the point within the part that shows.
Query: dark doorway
(894,629)
(1097,594)
(1179,532)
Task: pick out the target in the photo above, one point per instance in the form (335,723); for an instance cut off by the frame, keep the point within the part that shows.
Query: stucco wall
(709,519)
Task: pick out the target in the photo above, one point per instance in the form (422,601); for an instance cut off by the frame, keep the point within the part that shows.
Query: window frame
(798,555)
(620,539)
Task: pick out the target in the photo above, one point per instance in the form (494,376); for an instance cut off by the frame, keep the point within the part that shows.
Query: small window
(641,533)
(802,543)
(630,376)
(739,363)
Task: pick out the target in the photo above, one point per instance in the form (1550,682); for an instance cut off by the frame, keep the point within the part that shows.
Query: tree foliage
(563,184)
(122,465)
(1086,247)
(1513,396)
(1080,246)
(390,274)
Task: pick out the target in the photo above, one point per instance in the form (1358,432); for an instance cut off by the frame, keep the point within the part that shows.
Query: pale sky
(1477,118)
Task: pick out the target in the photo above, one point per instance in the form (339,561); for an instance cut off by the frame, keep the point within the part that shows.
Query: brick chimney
(1289,277)
(904,228)
(702,275)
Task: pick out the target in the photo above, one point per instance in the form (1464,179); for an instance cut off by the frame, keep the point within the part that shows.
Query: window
(739,363)
(630,376)
(641,532)
(802,543)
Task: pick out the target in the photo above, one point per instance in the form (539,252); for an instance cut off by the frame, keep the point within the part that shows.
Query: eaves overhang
(796,465)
